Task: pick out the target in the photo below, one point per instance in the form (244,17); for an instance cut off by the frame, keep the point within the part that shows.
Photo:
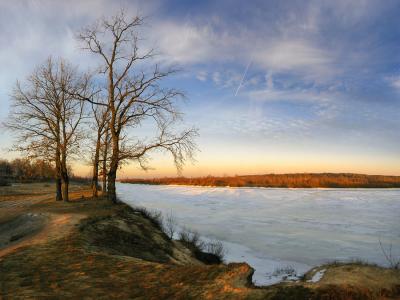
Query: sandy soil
(24,221)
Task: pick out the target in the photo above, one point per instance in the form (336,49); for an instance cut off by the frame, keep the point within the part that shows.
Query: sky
(272,86)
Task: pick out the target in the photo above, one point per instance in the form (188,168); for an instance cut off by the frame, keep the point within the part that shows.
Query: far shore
(261,187)
(297,180)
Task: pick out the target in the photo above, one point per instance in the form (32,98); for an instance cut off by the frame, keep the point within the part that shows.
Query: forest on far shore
(298,180)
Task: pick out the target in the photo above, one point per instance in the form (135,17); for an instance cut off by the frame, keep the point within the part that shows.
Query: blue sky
(321,91)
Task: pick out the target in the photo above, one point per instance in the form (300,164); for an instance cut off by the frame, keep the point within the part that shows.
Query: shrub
(209,253)
(393,261)
(216,248)
(153,216)
(169,226)
(354,261)
(191,239)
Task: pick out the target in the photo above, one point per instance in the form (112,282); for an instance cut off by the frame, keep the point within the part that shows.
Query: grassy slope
(95,249)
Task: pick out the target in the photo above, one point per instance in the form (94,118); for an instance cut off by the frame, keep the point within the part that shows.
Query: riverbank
(92,248)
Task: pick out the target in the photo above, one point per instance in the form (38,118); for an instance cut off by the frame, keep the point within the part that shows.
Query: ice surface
(275,228)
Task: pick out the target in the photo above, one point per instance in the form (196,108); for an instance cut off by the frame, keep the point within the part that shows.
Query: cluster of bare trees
(47,118)
(53,108)
(24,169)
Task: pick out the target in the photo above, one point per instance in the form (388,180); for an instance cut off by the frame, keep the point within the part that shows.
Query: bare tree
(134,95)
(47,118)
(100,116)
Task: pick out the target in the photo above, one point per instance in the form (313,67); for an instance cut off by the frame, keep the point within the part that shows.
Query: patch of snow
(317,276)
(287,273)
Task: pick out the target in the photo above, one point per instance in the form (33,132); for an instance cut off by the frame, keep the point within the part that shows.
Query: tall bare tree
(46,118)
(134,95)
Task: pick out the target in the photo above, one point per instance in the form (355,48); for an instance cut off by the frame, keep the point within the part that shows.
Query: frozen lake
(274,228)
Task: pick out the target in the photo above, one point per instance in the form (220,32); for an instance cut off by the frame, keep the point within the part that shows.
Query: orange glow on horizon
(225,167)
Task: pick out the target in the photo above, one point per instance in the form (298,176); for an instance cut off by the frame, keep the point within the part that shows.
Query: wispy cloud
(204,44)
(394,81)
(216,77)
(202,75)
(295,56)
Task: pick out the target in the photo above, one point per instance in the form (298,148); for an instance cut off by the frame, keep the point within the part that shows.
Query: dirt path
(57,226)
(25,219)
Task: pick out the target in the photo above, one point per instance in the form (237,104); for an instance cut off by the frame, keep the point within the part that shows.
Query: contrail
(244,76)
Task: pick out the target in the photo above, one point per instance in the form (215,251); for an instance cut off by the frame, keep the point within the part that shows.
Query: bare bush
(191,238)
(207,252)
(216,248)
(153,216)
(170,225)
(394,262)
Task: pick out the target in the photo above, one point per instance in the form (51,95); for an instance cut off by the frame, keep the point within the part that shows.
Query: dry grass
(374,278)
(343,281)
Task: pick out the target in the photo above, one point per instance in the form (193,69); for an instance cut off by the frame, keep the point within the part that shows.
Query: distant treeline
(299,180)
(27,170)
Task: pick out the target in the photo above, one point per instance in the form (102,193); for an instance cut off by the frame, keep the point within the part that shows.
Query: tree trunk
(58,189)
(65,187)
(58,176)
(111,192)
(105,153)
(64,174)
(104,186)
(58,163)
(95,179)
(112,173)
